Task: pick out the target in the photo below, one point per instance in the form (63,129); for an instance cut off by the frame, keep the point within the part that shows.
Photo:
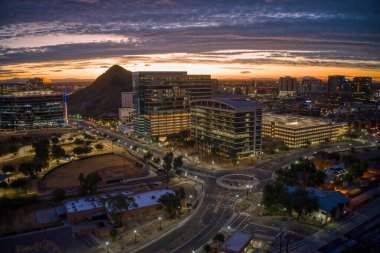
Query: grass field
(108,166)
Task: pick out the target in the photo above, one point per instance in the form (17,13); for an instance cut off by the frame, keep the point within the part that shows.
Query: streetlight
(159,219)
(135,235)
(108,250)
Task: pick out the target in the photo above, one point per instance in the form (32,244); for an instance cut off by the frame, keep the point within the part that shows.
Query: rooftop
(294,121)
(327,200)
(237,241)
(141,199)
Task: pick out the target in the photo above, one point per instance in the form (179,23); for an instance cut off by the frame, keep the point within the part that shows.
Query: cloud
(245,72)
(310,33)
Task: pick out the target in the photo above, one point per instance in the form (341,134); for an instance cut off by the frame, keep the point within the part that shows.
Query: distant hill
(102,98)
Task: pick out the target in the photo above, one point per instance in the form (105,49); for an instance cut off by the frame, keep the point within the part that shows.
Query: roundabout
(237,182)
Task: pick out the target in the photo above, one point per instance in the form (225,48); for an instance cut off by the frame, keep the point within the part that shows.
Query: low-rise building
(298,131)
(332,205)
(88,208)
(238,242)
(337,171)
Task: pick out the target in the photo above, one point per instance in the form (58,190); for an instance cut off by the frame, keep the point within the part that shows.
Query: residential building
(162,101)
(287,86)
(332,205)
(297,131)
(232,126)
(31,109)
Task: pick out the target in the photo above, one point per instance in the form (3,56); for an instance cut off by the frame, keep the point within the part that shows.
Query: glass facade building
(229,125)
(31,109)
(162,101)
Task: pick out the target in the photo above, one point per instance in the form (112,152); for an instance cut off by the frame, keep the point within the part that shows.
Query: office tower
(227,125)
(287,86)
(310,85)
(162,101)
(337,83)
(361,84)
(31,109)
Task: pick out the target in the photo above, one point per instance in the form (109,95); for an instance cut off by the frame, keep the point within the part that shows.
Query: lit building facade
(287,86)
(162,101)
(361,84)
(337,83)
(230,125)
(32,109)
(311,85)
(297,131)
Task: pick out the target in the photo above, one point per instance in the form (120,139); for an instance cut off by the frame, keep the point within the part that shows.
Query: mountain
(15,80)
(102,98)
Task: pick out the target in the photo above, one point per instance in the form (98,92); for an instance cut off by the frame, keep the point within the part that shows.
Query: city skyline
(240,40)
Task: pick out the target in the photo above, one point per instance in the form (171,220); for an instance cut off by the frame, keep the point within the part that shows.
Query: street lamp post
(135,235)
(159,219)
(108,250)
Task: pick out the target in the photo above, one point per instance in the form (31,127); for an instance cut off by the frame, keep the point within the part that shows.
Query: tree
(88,184)
(207,248)
(275,197)
(302,202)
(78,141)
(30,168)
(177,164)
(54,140)
(57,152)
(171,203)
(168,160)
(218,238)
(59,194)
(157,160)
(147,156)
(233,157)
(82,150)
(42,152)
(99,146)
(317,179)
(13,149)
(355,167)
(181,194)
(298,173)
(8,168)
(113,234)
(117,205)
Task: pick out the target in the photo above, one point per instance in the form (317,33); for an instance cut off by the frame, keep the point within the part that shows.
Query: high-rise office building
(31,109)
(227,125)
(361,84)
(337,83)
(287,86)
(162,101)
(311,85)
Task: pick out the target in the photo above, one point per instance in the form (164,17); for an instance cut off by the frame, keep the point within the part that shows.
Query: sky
(227,39)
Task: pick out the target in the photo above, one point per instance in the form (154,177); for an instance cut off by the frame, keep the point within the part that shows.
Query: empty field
(109,167)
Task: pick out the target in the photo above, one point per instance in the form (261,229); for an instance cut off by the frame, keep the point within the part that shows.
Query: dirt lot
(108,166)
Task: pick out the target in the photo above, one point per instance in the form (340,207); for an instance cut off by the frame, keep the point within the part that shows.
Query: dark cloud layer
(331,32)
